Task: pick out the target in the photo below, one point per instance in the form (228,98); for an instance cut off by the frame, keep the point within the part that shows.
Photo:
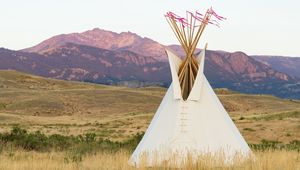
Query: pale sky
(270,27)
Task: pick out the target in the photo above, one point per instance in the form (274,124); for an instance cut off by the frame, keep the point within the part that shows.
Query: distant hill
(289,65)
(68,107)
(106,57)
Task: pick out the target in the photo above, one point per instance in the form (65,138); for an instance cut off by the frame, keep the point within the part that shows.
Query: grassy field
(77,111)
(269,160)
(116,113)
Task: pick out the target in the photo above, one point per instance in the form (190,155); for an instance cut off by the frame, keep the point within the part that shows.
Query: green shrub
(293,145)
(276,145)
(76,145)
(88,138)
(131,143)
(34,141)
(241,118)
(249,129)
(60,142)
(2,106)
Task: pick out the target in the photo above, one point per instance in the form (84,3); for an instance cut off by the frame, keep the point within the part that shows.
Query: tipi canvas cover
(198,125)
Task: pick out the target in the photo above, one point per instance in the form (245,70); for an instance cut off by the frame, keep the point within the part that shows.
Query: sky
(264,27)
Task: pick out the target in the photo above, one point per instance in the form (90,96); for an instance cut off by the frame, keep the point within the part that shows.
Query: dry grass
(62,107)
(72,108)
(269,160)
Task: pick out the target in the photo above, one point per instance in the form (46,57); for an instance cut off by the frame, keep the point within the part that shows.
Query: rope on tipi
(188,32)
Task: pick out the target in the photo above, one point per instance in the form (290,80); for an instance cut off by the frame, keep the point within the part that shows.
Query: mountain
(85,63)
(105,40)
(22,61)
(120,60)
(240,72)
(289,65)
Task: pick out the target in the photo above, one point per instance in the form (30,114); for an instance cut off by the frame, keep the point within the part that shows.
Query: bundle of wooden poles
(188,32)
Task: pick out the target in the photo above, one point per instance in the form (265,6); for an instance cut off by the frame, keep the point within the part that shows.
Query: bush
(60,142)
(293,145)
(276,145)
(131,143)
(76,145)
(34,141)
(88,138)
(249,129)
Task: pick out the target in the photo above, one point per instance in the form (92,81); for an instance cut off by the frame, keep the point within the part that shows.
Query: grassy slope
(55,106)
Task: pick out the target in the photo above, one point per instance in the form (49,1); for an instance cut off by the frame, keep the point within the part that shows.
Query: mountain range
(101,56)
(289,65)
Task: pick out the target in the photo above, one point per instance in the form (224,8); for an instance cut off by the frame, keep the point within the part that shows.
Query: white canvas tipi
(190,119)
(198,125)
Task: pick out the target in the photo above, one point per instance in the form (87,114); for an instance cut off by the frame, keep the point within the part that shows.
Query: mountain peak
(104,39)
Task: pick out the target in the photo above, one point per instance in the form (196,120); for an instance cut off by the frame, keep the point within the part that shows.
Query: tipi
(190,118)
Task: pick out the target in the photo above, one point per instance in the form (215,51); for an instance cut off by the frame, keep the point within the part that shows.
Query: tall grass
(265,160)
(20,149)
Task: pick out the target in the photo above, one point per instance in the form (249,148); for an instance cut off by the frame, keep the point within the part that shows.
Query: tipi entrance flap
(197,86)
(175,62)
(202,53)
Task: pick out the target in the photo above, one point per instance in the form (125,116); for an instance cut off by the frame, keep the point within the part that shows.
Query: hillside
(66,107)
(91,64)
(62,59)
(289,65)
